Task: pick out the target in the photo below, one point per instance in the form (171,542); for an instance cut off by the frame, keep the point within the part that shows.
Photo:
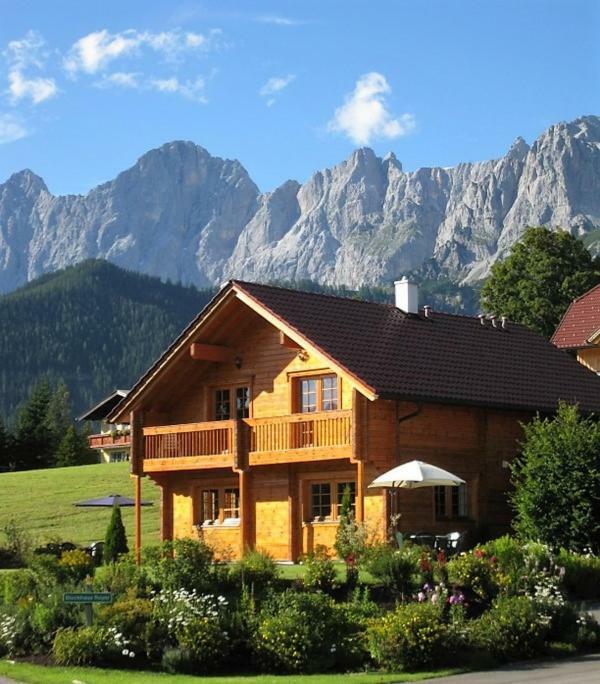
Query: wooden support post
(166,513)
(359,456)
(293,515)
(360,492)
(245,511)
(138,518)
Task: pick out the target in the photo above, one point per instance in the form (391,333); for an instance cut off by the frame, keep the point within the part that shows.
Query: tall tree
(535,284)
(73,449)
(58,418)
(34,447)
(5,448)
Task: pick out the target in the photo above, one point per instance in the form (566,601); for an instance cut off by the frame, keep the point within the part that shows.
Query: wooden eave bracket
(211,352)
(286,341)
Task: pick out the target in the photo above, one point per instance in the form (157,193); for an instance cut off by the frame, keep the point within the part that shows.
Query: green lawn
(38,674)
(41,501)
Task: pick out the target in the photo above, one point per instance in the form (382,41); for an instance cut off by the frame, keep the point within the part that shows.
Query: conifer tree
(115,542)
(58,417)
(73,449)
(34,446)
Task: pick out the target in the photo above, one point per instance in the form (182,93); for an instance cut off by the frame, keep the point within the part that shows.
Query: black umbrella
(110,501)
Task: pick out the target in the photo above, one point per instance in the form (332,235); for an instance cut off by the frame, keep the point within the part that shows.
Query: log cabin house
(273,401)
(111,444)
(578,332)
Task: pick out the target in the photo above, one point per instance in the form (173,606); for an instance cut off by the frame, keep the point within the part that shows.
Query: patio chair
(456,542)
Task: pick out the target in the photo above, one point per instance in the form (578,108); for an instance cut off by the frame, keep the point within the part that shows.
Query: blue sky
(286,87)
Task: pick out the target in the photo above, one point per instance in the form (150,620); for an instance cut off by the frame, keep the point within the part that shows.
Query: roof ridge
(235,281)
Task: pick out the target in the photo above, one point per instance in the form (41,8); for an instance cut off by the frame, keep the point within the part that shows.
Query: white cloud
(275,85)
(37,89)
(94,52)
(11,129)
(192,90)
(364,114)
(23,54)
(279,20)
(121,79)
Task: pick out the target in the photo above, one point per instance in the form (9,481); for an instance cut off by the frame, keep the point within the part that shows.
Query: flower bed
(183,612)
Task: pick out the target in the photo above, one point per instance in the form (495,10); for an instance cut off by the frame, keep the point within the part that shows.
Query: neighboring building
(112,442)
(579,330)
(272,401)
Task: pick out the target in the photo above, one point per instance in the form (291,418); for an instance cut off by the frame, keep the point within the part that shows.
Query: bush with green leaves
(182,564)
(397,570)
(132,617)
(512,629)
(319,574)
(306,632)
(77,564)
(557,481)
(581,574)
(413,637)
(96,645)
(256,569)
(477,570)
(118,578)
(115,542)
(197,625)
(588,633)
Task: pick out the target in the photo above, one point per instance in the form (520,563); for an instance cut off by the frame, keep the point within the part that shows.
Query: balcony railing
(108,439)
(189,439)
(326,430)
(300,431)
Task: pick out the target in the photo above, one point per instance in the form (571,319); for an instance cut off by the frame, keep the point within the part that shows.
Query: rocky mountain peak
(181,213)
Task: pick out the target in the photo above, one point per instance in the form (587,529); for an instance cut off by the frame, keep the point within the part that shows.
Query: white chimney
(407,295)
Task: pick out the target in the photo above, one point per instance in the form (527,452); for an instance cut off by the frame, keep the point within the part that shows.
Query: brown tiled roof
(580,322)
(445,358)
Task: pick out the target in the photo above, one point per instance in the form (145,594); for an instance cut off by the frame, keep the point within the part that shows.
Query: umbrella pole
(138,519)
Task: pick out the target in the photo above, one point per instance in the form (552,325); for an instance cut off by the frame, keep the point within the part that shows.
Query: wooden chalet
(111,444)
(273,401)
(579,330)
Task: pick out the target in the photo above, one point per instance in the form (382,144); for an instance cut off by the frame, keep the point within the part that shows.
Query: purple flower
(457,598)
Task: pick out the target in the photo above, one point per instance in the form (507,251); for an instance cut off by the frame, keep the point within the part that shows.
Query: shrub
(396,570)
(207,643)
(509,557)
(77,564)
(256,569)
(131,617)
(115,542)
(118,578)
(557,481)
(17,549)
(7,634)
(588,633)
(182,564)
(475,570)
(20,586)
(581,574)
(319,572)
(305,633)
(196,625)
(512,629)
(95,645)
(412,637)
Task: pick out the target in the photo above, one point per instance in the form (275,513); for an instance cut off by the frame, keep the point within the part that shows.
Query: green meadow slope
(41,502)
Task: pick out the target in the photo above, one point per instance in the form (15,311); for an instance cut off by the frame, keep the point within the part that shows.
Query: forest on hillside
(97,327)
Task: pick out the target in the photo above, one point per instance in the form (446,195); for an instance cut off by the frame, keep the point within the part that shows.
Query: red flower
(441,557)
(479,553)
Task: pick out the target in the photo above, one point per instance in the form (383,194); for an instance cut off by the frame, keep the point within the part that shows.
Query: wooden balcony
(300,437)
(255,441)
(108,440)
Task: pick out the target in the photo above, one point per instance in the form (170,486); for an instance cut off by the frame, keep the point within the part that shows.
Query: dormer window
(317,393)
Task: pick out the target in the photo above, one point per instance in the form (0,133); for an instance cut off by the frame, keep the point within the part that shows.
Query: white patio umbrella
(416,474)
